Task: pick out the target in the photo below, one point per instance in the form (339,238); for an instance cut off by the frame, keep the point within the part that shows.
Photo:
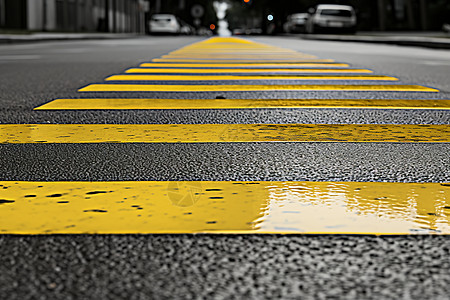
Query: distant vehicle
(238,31)
(295,23)
(253,31)
(185,28)
(327,18)
(247,31)
(204,31)
(164,23)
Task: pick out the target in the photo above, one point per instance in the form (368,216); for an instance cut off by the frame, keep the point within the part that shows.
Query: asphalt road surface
(132,266)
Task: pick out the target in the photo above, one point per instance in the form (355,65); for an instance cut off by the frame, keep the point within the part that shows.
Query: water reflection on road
(224,207)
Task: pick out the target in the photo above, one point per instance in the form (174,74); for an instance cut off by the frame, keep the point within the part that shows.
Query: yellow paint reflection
(353,207)
(224,207)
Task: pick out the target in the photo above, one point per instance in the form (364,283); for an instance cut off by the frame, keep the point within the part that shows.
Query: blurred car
(185,28)
(295,23)
(204,31)
(164,23)
(247,31)
(238,31)
(253,31)
(327,18)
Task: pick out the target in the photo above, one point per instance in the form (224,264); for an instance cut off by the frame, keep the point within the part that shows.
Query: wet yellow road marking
(233,40)
(237,53)
(216,133)
(232,49)
(120,103)
(128,77)
(242,65)
(278,61)
(240,57)
(171,207)
(259,70)
(253,88)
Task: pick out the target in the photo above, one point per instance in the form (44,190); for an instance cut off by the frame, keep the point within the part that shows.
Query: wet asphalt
(209,266)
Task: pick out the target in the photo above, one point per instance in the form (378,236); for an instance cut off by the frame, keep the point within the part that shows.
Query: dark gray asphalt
(224,267)
(393,162)
(207,266)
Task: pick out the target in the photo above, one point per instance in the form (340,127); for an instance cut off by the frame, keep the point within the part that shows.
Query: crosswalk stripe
(288,207)
(216,133)
(239,54)
(127,103)
(254,88)
(128,77)
(278,61)
(235,71)
(240,57)
(265,64)
(226,40)
(230,64)
(236,50)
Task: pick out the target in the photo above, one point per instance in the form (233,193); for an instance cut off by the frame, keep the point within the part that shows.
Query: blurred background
(203,16)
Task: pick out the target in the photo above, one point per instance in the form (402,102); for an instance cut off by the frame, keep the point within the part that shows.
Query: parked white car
(164,23)
(327,18)
(295,23)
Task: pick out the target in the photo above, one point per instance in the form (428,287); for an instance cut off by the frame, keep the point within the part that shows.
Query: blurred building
(376,15)
(410,14)
(74,15)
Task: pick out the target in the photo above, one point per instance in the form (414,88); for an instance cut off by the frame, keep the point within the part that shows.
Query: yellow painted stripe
(115,103)
(238,56)
(223,207)
(213,133)
(234,40)
(253,88)
(232,49)
(236,52)
(232,71)
(280,61)
(241,65)
(245,77)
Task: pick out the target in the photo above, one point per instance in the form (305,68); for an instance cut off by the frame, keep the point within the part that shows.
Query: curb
(35,38)
(436,43)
